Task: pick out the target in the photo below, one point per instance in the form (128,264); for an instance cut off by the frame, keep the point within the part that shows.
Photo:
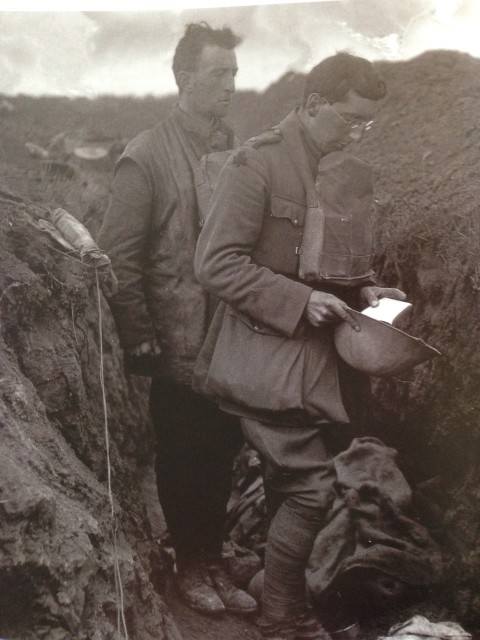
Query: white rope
(121,622)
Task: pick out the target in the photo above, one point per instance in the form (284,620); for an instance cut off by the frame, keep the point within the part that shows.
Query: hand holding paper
(387,310)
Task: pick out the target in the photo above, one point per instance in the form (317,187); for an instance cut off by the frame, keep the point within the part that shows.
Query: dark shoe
(235,600)
(305,627)
(277,631)
(195,587)
(309,628)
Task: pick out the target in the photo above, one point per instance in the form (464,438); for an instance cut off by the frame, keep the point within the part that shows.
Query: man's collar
(194,125)
(314,150)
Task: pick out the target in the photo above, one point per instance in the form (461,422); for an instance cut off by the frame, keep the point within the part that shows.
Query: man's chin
(221,108)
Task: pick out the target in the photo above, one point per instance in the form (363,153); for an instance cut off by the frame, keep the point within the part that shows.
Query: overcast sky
(129,52)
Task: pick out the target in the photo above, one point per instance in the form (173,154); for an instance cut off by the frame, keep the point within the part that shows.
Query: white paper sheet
(388,309)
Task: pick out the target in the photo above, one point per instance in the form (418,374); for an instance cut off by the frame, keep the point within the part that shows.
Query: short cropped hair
(196,37)
(335,76)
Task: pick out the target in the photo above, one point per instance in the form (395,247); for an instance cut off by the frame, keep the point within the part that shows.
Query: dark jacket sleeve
(223,264)
(123,236)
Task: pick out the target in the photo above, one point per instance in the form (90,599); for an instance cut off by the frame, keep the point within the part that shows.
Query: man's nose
(229,83)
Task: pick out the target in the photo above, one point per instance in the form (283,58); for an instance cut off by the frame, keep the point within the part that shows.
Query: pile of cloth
(371,541)
(370,527)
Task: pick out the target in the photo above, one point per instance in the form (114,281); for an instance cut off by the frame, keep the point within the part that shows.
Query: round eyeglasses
(354,123)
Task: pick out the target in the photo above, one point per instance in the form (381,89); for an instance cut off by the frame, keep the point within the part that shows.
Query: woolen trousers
(196,447)
(299,476)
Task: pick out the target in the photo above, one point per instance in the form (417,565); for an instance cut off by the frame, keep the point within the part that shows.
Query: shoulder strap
(271,136)
(208,169)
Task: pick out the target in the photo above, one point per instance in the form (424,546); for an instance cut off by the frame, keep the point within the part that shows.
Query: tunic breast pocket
(281,236)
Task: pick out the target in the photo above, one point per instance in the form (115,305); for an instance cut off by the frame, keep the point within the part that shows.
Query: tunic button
(295,222)
(256,327)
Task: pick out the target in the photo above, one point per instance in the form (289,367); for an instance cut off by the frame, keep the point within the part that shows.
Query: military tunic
(248,256)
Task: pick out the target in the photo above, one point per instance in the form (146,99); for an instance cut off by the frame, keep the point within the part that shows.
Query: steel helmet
(379,348)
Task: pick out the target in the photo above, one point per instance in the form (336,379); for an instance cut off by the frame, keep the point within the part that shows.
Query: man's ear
(184,80)
(314,101)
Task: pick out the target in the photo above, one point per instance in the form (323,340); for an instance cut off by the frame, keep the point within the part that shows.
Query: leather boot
(304,627)
(309,628)
(196,589)
(305,630)
(235,600)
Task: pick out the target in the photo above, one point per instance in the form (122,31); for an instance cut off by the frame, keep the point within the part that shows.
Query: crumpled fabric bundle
(419,628)
(370,525)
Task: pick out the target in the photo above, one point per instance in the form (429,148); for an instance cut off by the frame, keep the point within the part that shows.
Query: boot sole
(205,612)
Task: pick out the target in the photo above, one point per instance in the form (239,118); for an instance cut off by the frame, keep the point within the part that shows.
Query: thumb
(371,297)
(396,294)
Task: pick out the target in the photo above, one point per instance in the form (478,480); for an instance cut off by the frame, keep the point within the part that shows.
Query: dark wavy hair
(335,76)
(196,37)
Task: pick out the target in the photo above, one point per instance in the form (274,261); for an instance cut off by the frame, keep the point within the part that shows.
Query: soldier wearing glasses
(287,247)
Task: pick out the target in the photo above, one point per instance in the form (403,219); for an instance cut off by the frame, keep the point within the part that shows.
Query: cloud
(37,49)
(453,24)
(380,18)
(132,33)
(96,52)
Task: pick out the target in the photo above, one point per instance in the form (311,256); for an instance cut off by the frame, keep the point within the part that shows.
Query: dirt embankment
(56,537)
(426,153)
(56,568)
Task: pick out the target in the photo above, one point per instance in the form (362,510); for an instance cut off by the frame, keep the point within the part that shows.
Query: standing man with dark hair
(161,312)
(287,246)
